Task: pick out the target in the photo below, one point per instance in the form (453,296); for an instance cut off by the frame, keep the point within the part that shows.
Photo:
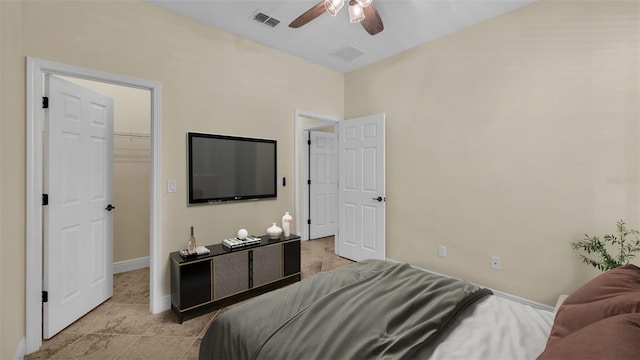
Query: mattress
(496,328)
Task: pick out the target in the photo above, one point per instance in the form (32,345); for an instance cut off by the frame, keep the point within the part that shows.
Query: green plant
(604,261)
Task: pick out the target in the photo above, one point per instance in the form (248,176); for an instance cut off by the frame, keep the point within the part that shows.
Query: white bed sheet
(496,328)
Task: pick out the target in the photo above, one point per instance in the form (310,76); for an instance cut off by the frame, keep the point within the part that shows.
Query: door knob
(379,199)
(110,207)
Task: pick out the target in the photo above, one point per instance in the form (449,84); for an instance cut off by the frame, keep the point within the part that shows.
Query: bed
(387,310)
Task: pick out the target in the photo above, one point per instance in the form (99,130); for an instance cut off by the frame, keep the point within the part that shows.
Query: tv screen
(227,168)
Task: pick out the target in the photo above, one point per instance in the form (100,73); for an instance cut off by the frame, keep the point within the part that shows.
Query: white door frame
(302,210)
(36,68)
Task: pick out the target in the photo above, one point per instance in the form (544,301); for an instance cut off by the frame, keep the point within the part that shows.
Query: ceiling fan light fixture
(356,13)
(372,23)
(333,6)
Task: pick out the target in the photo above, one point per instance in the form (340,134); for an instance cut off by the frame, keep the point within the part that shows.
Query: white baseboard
(165,303)
(533,304)
(21,350)
(129,265)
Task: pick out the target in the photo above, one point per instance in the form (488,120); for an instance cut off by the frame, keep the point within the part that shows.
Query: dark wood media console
(224,276)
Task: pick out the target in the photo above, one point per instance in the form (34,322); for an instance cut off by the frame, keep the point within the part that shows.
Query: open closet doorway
(131,173)
(36,71)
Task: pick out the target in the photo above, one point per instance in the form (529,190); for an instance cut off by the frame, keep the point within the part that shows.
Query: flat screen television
(230,168)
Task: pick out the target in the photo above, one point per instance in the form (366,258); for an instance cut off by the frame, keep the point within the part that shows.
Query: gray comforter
(366,310)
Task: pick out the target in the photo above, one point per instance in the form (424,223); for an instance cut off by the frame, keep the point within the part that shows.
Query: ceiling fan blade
(372,21)
(309,15)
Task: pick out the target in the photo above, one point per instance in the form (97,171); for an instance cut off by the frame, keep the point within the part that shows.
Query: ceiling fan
(362,11)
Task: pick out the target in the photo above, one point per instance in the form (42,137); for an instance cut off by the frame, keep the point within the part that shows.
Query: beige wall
(12,192)
(511,138)
(212,81)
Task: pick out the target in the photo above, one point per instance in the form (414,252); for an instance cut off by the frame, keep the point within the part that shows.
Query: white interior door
(323,193)
(78,152)
(361,195)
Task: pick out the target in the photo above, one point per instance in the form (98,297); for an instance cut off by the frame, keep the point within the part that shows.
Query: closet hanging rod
(138,135)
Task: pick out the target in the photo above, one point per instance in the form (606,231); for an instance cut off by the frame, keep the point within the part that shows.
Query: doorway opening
(361,182)
(305,121)
(36,70)
(131,172)
(321,192)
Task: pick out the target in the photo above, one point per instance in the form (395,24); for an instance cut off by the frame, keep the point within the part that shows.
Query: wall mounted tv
(230,168)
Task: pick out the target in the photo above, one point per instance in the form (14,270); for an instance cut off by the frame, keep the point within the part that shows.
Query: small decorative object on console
(233,243)
(287,220)
(236,243)
(191,245)
(252,240)
(186,255)
(242,234)
(199,250)
(274,231)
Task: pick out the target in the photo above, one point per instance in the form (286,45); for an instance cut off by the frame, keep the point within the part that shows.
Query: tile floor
(123,328)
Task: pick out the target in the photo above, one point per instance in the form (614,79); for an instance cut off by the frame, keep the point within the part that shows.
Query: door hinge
(308,182)
(309,222)
(45,199)
(45,102)
(309,142)
(45,296)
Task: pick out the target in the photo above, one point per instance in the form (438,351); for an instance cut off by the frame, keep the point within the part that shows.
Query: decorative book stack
(235,243)
(199,250)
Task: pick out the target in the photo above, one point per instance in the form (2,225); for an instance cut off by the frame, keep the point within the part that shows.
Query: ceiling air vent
(347,53)
(265,19)
(272,22)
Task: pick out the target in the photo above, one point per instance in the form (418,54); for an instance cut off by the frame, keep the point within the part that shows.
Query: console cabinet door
(291,252)
(192,283)
(267,264)
(230,274)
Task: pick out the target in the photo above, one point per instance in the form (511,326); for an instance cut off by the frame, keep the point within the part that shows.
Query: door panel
(78,270)
(369,168)
(71,279)
(98,248)
(369,220)
(348,229)
(349,168)
(361,233)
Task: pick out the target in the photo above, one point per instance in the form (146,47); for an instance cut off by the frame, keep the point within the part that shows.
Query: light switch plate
(171,186)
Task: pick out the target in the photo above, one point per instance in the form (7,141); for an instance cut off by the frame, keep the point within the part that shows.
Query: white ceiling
(407,24)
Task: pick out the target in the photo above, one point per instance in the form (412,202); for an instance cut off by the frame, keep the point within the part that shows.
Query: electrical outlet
(442,251)
(495,263)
